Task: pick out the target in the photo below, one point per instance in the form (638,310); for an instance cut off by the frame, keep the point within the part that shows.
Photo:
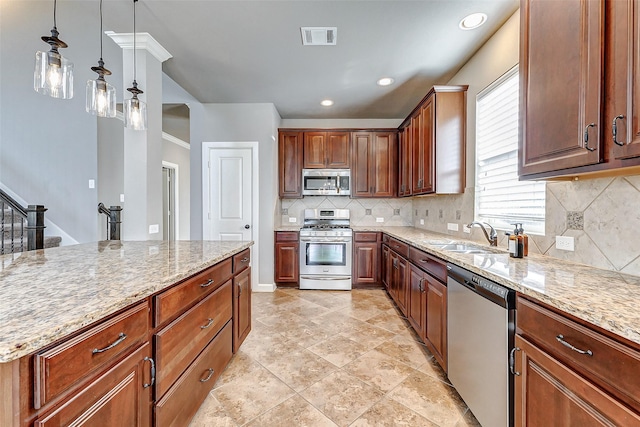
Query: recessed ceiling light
(473,21)
(326,103)
(385,81)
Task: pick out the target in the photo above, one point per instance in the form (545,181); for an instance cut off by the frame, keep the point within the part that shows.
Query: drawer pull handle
(204,380)
(121,338)
(208,324)
(245,259)
(153,372)
(208,283)
(561,340)
(424,260)
(512,361)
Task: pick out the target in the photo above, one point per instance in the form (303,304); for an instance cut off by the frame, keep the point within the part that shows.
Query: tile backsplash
(364,212)
(602,215)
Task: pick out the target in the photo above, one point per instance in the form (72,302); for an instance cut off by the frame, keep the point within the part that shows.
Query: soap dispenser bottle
(515,243)
(525,241)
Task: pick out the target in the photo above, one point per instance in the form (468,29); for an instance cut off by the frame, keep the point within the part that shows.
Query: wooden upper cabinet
(422,150)
(435,143)
(290,164)
(623,81)
(561,75)
(374,172)
(328,150)
(404,162)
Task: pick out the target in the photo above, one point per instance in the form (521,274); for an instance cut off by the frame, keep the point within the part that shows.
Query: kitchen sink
(465,248)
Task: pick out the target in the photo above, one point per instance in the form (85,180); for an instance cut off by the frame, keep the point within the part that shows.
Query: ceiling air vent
(319,36)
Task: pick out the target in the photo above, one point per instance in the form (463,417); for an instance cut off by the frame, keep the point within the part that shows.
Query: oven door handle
(325,277)
(323,240)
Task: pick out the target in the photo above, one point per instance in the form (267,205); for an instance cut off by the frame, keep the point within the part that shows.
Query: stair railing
(113,220)
(13,218)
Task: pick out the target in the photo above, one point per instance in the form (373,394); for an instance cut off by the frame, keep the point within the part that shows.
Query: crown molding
(176,140)
(143,41)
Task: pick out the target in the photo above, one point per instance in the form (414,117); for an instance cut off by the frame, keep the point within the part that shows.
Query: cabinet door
(365,263)
(385,163)
(314,150)
(404,161)
(403,284)
(436,327)
(417,300)
(287,262)
(290,165)
(561,84)
(416,166)
(116,398)
(241,308)
(337,150)
(548,393)
(386,267)
(623,79)
(361,174)
(427,144)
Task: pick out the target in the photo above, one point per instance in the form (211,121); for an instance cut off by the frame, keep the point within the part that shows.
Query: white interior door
(230,198)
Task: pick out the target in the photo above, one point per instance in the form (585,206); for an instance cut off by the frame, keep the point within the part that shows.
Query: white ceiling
(251,51)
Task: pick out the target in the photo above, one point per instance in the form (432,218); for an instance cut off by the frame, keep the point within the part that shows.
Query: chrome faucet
(491,238)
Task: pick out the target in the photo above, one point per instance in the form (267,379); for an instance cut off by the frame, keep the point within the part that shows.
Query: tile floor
(324,358)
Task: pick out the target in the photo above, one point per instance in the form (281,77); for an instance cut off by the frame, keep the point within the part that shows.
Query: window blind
(501,199)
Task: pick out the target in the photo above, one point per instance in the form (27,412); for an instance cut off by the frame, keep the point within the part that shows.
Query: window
(502,200)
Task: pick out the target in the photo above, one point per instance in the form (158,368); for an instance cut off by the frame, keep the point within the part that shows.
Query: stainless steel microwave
(326,182)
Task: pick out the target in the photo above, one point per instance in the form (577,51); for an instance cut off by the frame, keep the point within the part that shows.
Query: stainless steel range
(325,250)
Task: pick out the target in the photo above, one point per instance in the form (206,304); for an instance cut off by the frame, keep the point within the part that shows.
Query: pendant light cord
(54,14)
(100,30)
(134,40)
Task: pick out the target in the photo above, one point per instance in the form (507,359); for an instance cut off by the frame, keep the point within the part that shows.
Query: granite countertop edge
(591,306)
(13,347)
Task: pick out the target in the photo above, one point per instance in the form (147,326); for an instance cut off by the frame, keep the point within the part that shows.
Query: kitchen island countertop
(605,298)
(50,293)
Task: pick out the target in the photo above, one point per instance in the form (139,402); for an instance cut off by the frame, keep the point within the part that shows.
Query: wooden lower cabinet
(386,266)
(399,281)
(417,313)
(436,327)
(287,262)
(182,401)
(241,308)
(548,393)
(119,397)
(366,259)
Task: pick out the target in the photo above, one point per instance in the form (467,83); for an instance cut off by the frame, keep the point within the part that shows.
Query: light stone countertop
(608,299)
(50,293)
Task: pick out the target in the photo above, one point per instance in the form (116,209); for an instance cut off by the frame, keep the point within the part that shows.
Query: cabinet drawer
(60,367)
(399,247)
(173,301)
(385,238)
(365,236)
(241,261)
(181,341)
(611,363)
(286,236)
(429,263)
(116,398)
(182,401)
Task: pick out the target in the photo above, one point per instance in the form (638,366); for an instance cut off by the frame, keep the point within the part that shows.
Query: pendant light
(101,96)
(53,73)
(135,111)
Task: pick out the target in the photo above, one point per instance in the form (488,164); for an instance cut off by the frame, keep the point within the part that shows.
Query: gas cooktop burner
(324,226)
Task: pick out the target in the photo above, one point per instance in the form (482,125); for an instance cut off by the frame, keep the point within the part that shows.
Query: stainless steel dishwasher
(481,325)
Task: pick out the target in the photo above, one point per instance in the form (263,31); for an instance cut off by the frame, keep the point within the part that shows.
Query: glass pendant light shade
(53,75)
(101,98)
(135,111)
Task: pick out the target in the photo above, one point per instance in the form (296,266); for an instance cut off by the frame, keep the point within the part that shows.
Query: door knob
(247,226)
